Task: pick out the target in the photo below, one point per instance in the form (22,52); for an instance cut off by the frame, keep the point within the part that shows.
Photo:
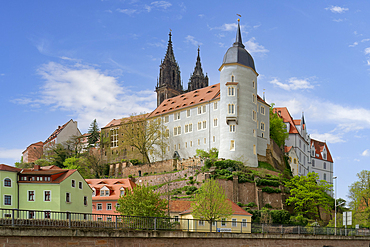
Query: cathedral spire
(169,54)
(238,40)
(197,80)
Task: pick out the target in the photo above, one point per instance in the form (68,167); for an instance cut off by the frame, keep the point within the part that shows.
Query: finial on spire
(238,40)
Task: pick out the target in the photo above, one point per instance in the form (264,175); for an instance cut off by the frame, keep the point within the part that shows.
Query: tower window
(254,98)
(262,110)
(254,116)
(215,122)
(231,109)
(254,84)
(262,126)
(204,124)
(231,91)
(191,127)
(254,150)
(232,78)
(232,145)
(232,128)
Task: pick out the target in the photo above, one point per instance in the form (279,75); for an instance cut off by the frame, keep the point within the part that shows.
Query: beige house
(293,159)
(239,222)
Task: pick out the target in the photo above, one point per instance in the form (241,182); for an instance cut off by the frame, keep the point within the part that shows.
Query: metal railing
(34,218)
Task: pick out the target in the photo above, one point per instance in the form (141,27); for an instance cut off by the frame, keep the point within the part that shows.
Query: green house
(9,186)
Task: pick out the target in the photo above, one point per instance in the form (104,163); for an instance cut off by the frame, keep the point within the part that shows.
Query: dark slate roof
(238,54)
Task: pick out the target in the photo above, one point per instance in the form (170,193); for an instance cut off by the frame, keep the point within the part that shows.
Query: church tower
(169,83)
(197,80)
(238,105)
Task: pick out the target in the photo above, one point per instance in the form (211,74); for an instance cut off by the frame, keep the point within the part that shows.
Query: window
(191,143)
(178,146)
(324,165)
(254,150)
(215,106)
(176,218)
(215,122)
(186,128)
(262,110)
(117,205)
(198,142)
(191,127)
(80,185)
(231,91)
(7,182)
(244,222)
(205,140)
(223,222)
(214,138)
(199,125)
(109,206)
(199,110)
(176,116)
(204,109)
(299,143)
(177,130)
(85,200)
(232,127)
(31,196)
(295,161)
(106,192)
(94,192)
(254,98)
(231,109)
(122,192)
(186,145)
(188,113)
(68,197)
(204,124)
(7,200)
(47,215)
(232,78)
(254,116)
(324,156)
(114,138)
(254,84)
(313,163)
(262,126)
(233,223)
(232,145)
(201,222)
(166,119)
(73,183)
(167,133)
(324,176)
(99,206)
(47,195)
(109,218)
(254,133)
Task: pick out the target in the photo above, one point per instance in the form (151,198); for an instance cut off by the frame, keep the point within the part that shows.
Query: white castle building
(229,116)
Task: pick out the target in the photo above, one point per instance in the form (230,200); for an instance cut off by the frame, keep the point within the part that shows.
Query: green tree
(142,201)
(79,164)
(57,154)
(308,194)
(93,132)
(278,131)
(359,194)
(210,203)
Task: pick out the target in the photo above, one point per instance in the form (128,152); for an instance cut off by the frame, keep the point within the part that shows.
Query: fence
(16,217)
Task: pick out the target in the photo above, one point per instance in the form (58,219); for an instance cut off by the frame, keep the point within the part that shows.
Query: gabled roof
(319,147)
(114,185)
(178,206)
(287,118)
(36,144)
(287,149)
(9,168)
(56,132)
(192,98)
(117,122)
(57,174)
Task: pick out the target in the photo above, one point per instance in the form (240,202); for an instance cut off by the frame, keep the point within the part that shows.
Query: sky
(99,59)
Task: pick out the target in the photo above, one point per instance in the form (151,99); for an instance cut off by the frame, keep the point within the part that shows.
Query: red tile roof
(116,122)
(178,206)
(236,209)
(56,132)
(9,168)
(114,186)
(57,174)
(319,147)
(287,149)
(287,118)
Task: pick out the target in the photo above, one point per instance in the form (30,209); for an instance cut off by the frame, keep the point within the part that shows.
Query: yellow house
(239,222)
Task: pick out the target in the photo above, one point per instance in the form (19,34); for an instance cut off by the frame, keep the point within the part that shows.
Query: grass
(266,166)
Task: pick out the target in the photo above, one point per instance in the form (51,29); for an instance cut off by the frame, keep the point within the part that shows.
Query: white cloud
(201,15)
(14,154)
(354,44)
(365,40)
(228,27)
(293,84)
(338,20)
(365,153)
(191,39)
(367,50)
(328,137)
(127,11)
(253,47)
(161,4)
(368,62)
(337,9)
(88,94)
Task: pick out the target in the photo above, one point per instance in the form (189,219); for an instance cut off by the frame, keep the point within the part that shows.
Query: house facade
(33,152)
(106,192)
(9,186)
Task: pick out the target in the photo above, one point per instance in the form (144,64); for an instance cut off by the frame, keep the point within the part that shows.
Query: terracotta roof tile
(9,168)
(117,122)
(56,132)
(236,209)
(178,206)
(114,185)
(319,147)
(287,118)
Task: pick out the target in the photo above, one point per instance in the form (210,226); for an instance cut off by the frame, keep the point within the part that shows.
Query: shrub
(266,166)
(145,174)
(191,177)
(280,216)
(251,205)
(239,204)
(135,162)
(270,190)
(267,205)
(130,176)
(267,182)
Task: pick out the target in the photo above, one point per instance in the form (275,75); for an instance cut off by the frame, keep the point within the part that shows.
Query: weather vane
(239,16)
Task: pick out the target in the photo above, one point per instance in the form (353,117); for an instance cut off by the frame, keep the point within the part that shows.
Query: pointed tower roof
(169,54)
(198,66)
(238,54)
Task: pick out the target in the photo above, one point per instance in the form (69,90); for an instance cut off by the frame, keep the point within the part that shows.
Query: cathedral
(229,116)
(169,83)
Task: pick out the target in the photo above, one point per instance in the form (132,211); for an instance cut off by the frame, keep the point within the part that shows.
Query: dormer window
(104,191)
(94,192)
(122,192)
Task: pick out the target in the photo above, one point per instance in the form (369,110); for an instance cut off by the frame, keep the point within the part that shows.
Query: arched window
(232,78)
(231,109)
(7,182)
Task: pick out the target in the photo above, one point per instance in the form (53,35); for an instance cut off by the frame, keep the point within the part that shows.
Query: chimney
(36,167)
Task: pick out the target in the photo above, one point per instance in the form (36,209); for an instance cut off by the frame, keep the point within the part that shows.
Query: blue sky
(92,59)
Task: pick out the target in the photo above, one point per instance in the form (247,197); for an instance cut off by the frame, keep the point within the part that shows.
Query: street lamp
(335,205)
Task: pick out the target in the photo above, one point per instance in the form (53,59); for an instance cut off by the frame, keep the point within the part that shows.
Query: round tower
(238,105)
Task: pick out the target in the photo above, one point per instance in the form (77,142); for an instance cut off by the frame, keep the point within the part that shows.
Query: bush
(267,182)
(270,190)
(266,166)
(239,204)
(298,220)
(208,164)
(145,174)
(267,205)
(135,162)
(130,176)
(251,205)
(224,164)
(280,216)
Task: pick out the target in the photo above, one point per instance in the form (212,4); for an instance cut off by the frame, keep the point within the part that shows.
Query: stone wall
(59,237)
